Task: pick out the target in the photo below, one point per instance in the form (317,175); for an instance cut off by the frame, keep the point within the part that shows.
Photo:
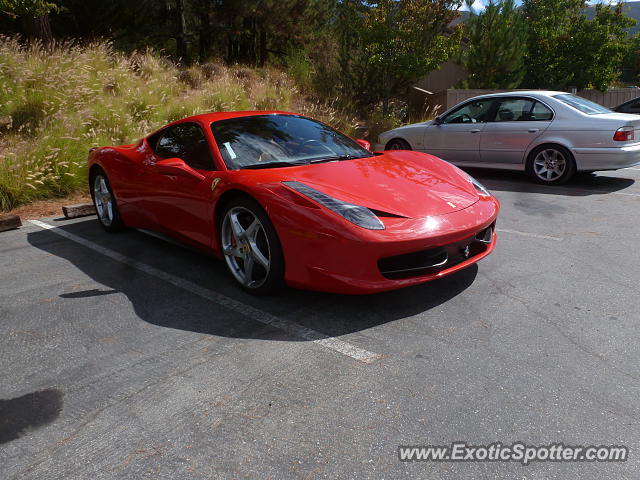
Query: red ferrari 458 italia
(285,199)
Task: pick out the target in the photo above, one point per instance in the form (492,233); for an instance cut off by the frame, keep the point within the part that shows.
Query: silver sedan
(550,135)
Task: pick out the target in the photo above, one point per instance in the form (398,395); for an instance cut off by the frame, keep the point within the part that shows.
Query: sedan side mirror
(437,121)
(363,143)
(178,168)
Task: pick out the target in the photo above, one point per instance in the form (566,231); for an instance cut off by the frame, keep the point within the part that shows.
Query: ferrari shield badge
(215,183)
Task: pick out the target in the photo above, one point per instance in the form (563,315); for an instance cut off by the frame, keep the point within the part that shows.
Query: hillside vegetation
(58,102)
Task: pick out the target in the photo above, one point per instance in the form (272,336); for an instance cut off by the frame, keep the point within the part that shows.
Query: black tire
(398,144)
(546,156)
(110,220)
(256,279)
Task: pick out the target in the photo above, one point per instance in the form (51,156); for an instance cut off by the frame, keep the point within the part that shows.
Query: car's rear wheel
(105,203)
(251,248)
(397,144)
(551,164)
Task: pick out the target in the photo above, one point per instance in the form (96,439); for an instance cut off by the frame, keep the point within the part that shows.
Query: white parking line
(526,234)
(288,326)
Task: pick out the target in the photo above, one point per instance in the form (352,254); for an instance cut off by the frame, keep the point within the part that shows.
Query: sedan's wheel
(397,144)
(551,165)
(251,248)
(105,203)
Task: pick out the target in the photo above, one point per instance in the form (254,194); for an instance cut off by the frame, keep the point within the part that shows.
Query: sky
(479,4)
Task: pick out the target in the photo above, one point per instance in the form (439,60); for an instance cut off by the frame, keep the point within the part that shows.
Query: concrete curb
(80,210)
(9,222)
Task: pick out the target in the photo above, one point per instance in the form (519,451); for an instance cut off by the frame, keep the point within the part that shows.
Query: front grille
(425,259)
(434,260)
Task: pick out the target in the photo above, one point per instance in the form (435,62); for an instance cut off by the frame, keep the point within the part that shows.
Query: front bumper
(339,261)
(323,280)
(614,158)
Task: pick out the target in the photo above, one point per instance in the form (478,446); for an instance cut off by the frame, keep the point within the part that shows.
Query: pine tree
(496,43)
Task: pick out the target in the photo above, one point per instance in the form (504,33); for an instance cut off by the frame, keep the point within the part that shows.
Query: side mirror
(363,143)
(437,121)
(177,168)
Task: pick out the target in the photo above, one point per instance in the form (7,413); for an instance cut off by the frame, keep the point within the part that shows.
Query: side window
(541,112)
(168,145)
(186,141)
(514,110)
(472,112)
(522,110)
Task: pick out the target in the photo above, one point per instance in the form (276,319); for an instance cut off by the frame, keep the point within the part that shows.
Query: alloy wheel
(103,200)
(549,165)
(246,247)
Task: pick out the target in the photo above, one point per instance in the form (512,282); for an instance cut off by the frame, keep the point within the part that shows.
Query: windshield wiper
(338,158)
(258,166)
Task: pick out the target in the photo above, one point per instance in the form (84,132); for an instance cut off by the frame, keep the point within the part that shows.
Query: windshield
(582,104)
(270,141)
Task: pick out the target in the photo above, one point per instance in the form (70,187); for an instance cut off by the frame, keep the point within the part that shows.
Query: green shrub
(300,67)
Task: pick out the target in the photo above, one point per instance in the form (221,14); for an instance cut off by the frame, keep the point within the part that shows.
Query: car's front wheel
(251,248)
(397,144)
(551,164)
(105,203)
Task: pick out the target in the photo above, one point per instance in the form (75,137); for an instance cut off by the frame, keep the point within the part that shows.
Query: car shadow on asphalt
(163,304)
(582,185)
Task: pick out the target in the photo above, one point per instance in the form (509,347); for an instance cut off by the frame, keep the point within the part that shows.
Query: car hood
(389,134)
(408,184)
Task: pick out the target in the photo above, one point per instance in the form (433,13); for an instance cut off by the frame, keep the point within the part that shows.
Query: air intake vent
(413,263)
(433,261)
(485,236)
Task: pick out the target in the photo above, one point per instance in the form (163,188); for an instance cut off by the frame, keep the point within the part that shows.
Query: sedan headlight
(361,216)
(482,191)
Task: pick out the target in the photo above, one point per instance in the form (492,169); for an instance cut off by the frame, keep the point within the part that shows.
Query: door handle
(534,130)
(475,130)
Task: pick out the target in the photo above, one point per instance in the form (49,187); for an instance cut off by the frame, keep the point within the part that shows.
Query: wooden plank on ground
(9,222)
(81,210)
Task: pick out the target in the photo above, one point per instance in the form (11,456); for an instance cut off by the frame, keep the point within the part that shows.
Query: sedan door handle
(475,130)
(534,130)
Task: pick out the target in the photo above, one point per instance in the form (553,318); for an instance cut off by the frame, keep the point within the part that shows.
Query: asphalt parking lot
(125,356)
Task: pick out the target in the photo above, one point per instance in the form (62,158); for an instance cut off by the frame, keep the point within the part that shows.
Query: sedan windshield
(582,104)
(271,141)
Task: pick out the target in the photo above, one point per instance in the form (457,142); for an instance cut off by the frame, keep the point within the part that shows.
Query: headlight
(361,216)
(479,187)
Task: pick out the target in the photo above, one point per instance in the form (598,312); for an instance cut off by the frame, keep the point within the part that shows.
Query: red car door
(179,202)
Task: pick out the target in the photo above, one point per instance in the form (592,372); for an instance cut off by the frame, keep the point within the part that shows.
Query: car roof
(211,117)
(217,116)
(516,93)
(633,100)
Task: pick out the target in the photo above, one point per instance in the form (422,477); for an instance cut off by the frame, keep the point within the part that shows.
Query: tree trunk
(263,47)
(37,28)
(181,33)
(386,91)
(204,40)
